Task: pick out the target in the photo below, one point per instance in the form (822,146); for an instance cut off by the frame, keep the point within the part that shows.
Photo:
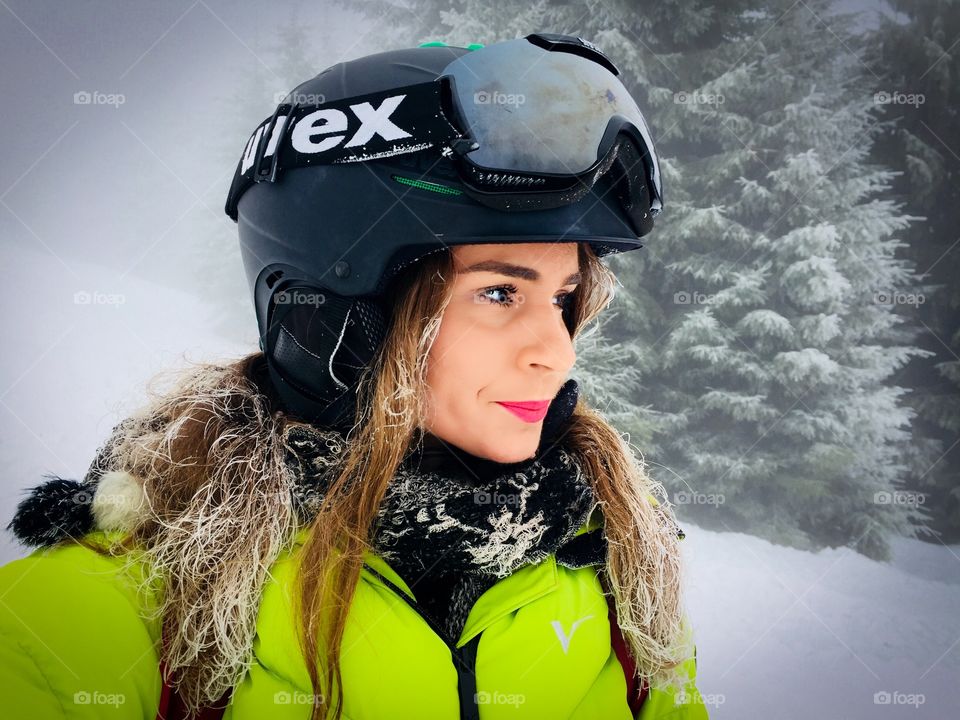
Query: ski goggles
(529,124)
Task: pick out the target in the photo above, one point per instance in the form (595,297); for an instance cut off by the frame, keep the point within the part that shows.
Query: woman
(400,507)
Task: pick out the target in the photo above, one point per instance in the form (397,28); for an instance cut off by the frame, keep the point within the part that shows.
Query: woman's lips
(530,412)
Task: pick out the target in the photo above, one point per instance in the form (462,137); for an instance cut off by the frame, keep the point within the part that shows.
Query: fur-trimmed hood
(111,497)
(264,481)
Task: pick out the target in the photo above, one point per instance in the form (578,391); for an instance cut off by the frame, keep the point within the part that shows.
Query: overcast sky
(119,175)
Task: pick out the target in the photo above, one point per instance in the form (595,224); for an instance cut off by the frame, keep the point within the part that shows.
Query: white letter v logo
(564,638)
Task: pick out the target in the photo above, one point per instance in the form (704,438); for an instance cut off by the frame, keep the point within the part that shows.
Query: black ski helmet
(369,166)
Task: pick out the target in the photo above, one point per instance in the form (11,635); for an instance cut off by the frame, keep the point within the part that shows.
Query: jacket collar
(509,594)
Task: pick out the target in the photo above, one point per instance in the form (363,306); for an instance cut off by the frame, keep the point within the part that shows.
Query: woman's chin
(512,451)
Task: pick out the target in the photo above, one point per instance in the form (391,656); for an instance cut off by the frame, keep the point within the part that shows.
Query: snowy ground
(788,634)
(781,633)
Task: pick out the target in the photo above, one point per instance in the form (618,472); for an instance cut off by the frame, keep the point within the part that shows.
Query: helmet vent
(424,185)
(273,278)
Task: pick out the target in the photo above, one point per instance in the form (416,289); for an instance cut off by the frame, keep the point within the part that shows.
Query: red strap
(636,691)
(164,706)
(172,706)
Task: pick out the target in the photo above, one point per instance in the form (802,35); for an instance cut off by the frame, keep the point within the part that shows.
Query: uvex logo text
(326,128)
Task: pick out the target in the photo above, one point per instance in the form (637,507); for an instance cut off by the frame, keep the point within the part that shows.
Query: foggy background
(785,351)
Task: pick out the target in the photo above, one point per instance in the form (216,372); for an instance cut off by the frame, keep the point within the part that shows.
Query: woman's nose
(545,339)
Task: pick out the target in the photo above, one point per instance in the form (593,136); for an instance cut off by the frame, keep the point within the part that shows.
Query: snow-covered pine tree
(772,274)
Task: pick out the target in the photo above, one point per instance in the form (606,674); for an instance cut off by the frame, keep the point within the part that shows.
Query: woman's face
(502,339)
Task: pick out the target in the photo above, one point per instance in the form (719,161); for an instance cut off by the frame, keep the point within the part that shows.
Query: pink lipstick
(530,412)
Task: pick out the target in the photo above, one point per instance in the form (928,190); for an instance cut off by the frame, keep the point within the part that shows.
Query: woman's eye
(505,289)
(510,290)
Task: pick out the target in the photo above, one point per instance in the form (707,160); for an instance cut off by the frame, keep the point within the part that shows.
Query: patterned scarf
(451,524)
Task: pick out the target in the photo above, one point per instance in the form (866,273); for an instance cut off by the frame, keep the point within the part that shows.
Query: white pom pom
(119,501)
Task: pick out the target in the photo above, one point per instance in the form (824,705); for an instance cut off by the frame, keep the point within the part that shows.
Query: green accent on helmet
(424,185)
(441,43)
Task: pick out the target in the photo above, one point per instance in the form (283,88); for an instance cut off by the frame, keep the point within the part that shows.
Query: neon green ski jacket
(536,645)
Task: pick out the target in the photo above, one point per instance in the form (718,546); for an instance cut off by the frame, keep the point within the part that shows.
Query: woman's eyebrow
(517,271)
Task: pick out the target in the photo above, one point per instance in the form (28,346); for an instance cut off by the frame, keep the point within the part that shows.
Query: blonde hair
(211,456)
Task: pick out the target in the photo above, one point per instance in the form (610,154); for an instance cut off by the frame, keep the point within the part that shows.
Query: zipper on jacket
(464,659)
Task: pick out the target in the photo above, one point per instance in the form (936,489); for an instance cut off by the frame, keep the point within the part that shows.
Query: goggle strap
(355,129)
